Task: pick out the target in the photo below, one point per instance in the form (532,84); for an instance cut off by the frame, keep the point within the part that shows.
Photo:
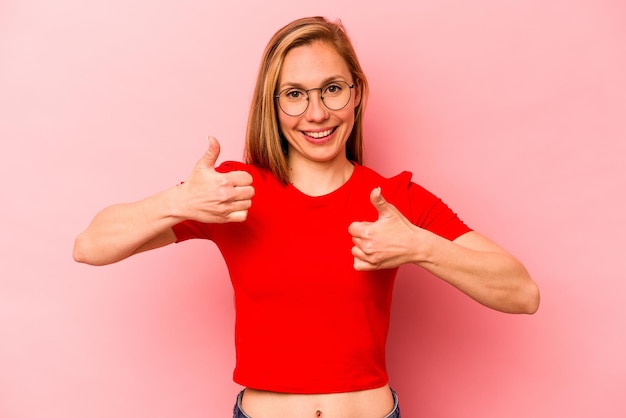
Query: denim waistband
(239,413)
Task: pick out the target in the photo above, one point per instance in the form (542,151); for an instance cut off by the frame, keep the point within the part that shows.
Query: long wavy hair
(265,145)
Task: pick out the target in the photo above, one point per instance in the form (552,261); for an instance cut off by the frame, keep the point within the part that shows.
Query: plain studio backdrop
(513,112)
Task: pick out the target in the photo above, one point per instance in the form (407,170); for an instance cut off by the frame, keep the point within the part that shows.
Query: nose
(316,111)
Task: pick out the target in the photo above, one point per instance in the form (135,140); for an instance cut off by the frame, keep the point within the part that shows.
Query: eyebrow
(324,82)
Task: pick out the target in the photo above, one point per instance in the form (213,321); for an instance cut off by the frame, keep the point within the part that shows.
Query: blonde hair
(265,146)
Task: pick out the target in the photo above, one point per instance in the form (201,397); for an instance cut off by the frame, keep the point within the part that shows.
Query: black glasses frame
(321,89)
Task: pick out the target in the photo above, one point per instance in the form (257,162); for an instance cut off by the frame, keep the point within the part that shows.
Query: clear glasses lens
(295,101)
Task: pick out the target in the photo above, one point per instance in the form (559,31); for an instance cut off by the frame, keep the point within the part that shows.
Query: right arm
(119,231)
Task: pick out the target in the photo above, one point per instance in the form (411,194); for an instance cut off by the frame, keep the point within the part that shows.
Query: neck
(318,179)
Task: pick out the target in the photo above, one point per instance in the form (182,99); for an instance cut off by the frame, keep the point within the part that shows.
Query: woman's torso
(372,403)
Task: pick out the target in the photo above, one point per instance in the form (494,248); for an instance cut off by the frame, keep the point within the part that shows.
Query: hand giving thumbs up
(213,197)
(386,243)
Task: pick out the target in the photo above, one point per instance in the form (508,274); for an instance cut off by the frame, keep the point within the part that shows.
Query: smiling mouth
(320,134)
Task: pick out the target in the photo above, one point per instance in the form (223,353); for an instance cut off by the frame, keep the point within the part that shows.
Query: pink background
(513,112)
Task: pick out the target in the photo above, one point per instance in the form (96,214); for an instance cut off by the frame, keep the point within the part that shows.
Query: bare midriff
(371,403)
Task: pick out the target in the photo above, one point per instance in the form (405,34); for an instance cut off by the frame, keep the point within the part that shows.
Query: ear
(357,94)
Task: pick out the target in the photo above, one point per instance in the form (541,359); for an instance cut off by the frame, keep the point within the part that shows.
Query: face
(319,134)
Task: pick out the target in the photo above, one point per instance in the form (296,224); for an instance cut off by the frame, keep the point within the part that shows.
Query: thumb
(210,156)
(379,202)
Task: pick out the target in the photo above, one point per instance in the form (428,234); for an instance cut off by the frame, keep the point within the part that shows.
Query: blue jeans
(238,411)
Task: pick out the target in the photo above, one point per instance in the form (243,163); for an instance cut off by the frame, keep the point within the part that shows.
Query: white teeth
(318,135)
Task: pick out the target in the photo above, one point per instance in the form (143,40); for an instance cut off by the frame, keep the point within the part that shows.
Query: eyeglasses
(294,101)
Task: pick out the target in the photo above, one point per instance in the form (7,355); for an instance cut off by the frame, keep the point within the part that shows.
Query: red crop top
(306,321)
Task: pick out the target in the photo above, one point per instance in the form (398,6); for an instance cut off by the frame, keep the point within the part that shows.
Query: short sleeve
(429,212)
(191,229)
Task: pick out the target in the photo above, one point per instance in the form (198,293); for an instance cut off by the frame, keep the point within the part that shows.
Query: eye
(333,89)
(294,94)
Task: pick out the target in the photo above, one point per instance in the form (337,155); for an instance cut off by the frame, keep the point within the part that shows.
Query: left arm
(472,263)
(484,271)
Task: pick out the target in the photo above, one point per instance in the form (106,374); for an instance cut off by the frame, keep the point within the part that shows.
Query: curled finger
(237,216)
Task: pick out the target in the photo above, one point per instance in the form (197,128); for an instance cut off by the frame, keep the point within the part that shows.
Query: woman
(312,238)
